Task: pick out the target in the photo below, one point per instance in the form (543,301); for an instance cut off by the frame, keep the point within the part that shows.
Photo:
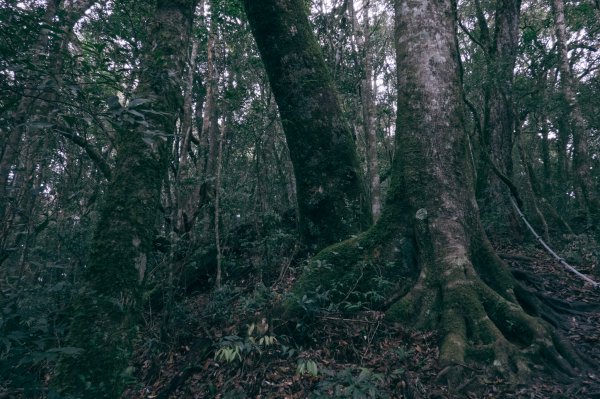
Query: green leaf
(66,350)
(311,367)
(136,113)
(40,125)
(137,101)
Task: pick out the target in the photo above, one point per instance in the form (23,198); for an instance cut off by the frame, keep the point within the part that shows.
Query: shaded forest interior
(291,199)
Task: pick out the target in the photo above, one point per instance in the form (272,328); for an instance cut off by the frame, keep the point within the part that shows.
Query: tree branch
(94,154)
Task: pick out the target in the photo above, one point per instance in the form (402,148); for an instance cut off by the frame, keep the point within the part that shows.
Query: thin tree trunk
(362,35)
(217,207)
(531,186)
(585,191)
(547,171)
(498,128)
(210,132)
(185,209)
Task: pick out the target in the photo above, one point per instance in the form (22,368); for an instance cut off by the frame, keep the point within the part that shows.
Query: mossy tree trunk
(107,309)
(331,199)
(429,241)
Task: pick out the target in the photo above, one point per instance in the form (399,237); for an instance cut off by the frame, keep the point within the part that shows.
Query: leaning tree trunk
(330,193)
(448,276)
(108,307)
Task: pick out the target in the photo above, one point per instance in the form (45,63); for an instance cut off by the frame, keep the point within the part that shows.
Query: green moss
(491,268)
(402,310)
(481,353)
(510,319)
(360,265)
(331,197)
(108,307)
(454,343)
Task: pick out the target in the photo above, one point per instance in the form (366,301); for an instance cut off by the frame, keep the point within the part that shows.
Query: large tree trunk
(448,276)
(331,197)
(108,307)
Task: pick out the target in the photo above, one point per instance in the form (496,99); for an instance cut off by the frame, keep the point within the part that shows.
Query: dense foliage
(225,235)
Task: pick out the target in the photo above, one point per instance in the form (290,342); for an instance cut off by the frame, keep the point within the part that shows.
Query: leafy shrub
(32,328)
(349,383)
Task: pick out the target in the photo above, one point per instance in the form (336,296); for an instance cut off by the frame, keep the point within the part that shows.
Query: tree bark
(107,310)
(572,117)
(184,198)
(362,36)
(497,138)
(429,239)
(330,193)
(191,186)
(210,134)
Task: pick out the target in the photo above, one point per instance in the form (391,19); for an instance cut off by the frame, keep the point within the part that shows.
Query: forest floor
(239,355)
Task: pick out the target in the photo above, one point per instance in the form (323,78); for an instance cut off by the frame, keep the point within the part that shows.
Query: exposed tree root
(553,310)
(459,287)
(354,266)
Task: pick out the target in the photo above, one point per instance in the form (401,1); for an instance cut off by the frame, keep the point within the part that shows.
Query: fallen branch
(348,320)
(561,260)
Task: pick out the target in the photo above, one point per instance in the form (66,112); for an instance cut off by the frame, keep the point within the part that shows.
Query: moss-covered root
(379,260)
(479,325)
